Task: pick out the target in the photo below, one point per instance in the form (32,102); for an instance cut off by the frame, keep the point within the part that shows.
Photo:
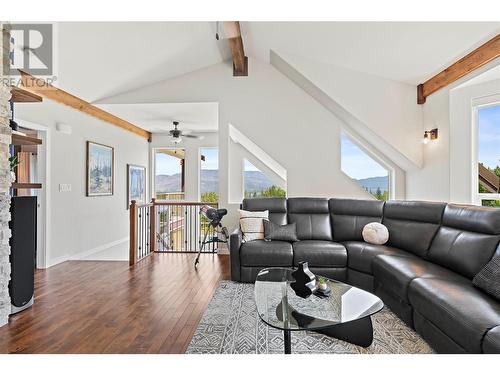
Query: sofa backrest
(275,206)
(312,218)
(412,225)
(349,216)
(467,239)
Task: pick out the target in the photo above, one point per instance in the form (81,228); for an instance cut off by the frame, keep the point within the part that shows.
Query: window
(488,155)
(365,171)
(169,174)
(257,184)
(209,175)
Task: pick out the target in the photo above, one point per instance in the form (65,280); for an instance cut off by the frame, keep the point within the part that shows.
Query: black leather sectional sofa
(423,274)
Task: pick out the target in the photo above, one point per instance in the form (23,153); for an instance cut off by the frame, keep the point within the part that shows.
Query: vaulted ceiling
(98,60)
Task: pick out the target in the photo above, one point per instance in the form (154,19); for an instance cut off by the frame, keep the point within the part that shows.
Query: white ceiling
(101,59)
(158,117)
(409,52)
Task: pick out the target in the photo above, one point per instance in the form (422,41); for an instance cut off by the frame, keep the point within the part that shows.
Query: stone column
(5,181)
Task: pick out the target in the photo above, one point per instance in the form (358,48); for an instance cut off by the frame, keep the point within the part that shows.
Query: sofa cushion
(491,342)
(252,224)
(488,279)
(412,225)
(467,239)
(319,253)
(275,232)
(360,255)
(275,206)
(349,216)
(312,218)
(266,253)
(459,310)
(395,273)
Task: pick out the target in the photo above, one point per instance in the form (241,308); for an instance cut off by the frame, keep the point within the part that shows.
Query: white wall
(432,182)
(286,122)
(80,225)
(446,172)
(462,131)
(385,109)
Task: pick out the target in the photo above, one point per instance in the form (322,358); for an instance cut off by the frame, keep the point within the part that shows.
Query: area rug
(231,325)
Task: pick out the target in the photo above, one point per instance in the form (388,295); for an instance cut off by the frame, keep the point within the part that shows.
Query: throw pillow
(275,232)
(488,279)
(375,233)
(252,224)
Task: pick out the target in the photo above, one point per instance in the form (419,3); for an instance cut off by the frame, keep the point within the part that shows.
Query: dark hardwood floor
(107,307)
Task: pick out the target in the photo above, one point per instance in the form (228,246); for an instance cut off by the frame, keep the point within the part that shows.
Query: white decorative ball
(375,233)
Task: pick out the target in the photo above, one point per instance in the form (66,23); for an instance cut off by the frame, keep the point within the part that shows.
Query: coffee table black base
(287,341)
(358,332)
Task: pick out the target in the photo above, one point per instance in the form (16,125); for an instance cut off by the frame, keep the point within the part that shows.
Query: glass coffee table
(345,314)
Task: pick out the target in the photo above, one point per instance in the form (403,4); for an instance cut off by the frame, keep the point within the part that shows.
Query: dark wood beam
(467,64)
(240,61)
(40,87)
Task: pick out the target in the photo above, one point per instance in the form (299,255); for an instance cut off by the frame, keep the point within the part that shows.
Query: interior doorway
(34,168)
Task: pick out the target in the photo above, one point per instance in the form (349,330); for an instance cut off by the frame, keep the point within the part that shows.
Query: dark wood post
(152,226)
(133,233)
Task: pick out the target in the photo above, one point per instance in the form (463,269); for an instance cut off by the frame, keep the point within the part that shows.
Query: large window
(209,175)
(488,155)
(365,171)
(169,174)
(257,184)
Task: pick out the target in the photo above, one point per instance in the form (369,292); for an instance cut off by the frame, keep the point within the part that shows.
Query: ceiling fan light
(176,140)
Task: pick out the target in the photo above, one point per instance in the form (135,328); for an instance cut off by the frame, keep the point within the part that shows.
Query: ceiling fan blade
(193,136)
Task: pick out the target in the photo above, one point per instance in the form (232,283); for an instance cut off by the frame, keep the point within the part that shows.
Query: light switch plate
(64,187)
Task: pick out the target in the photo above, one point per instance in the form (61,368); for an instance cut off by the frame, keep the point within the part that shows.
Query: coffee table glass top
(280,307)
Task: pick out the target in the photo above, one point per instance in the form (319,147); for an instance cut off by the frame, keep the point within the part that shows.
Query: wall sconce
(430,135)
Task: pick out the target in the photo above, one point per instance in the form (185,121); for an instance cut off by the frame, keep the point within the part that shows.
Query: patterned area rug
(231,325)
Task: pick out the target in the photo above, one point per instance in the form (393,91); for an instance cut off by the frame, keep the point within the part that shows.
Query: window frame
(477,104)
(153,174)
(243,176)
(390,170)
(199,169)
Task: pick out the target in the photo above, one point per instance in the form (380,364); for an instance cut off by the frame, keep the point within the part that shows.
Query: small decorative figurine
(322,284)
(322,288)
(305,281)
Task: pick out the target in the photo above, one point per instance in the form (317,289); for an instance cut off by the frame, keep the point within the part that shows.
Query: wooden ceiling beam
(240,61)
(19,95)
(40,87)
(474,60)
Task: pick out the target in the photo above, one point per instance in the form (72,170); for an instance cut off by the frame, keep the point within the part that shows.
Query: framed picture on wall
(100,169)
(136,184)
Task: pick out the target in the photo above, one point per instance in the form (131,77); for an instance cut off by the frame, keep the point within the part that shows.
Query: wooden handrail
(183,203)
(133,233)
(152,226)
(145,221)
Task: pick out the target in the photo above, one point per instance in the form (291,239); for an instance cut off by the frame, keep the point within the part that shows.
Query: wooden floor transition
(107,307)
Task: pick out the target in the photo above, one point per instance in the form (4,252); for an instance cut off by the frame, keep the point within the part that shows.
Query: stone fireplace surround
(5,182)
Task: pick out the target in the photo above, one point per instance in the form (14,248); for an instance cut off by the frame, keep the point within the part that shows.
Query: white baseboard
(84,254)
(54,261)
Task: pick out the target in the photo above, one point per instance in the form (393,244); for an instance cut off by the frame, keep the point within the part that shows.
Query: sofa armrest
(235,240)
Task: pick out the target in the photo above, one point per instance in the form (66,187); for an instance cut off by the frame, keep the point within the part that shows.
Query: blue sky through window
(249,166)
(211,158)
(489,136)
(356,163)
(167,164)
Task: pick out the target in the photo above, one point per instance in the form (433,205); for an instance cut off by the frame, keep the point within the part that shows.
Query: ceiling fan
(176,134)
